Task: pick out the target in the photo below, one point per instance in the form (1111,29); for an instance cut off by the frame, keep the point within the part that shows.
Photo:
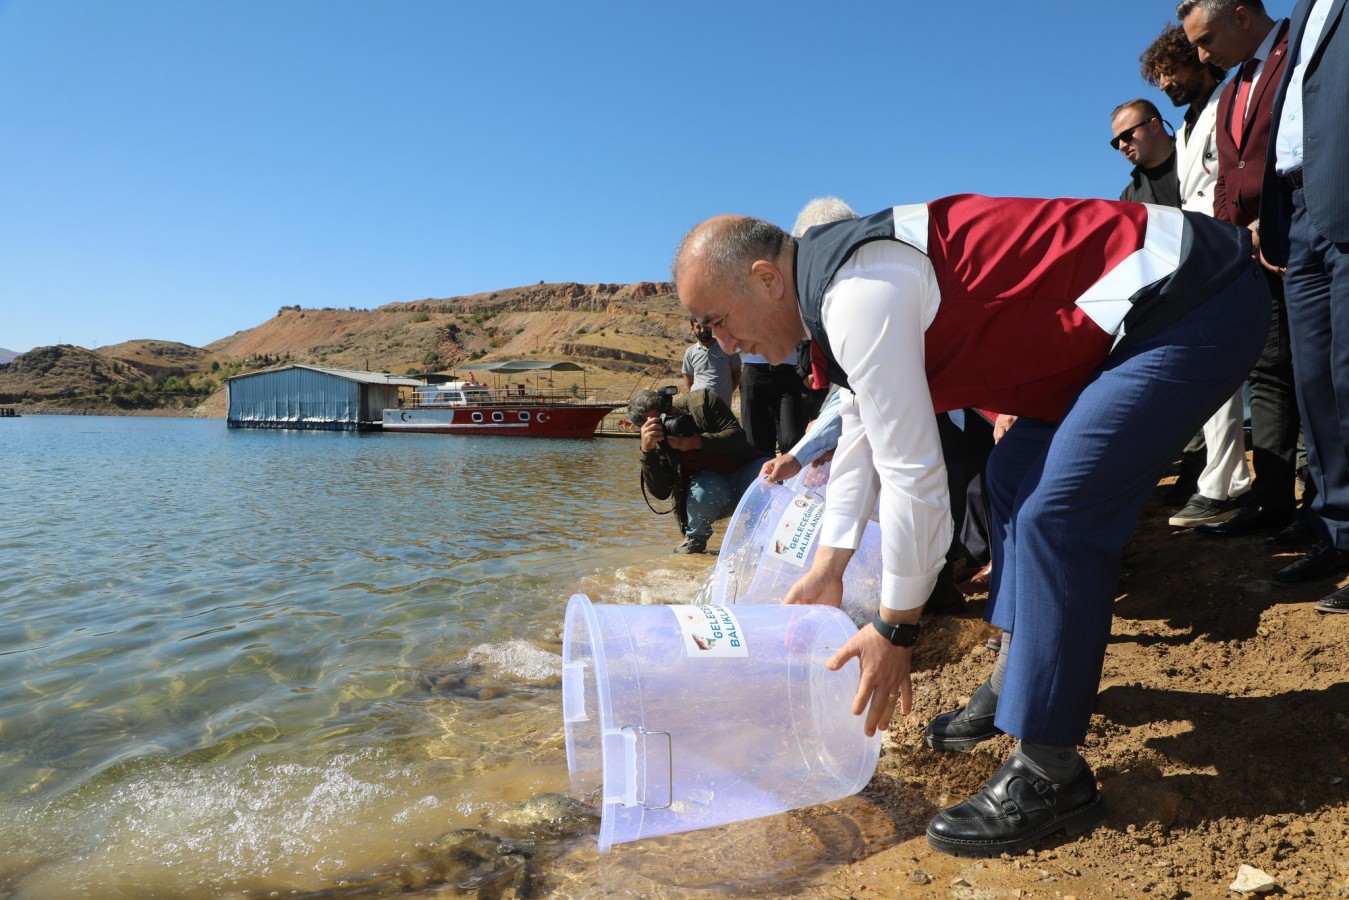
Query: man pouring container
(1112,330)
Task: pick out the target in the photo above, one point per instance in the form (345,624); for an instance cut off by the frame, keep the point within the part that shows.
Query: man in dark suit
(1239,35)
(1306,228)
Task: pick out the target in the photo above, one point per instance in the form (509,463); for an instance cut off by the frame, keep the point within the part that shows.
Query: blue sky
(180,170)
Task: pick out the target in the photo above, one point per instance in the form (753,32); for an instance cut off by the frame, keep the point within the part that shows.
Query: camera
(680,425)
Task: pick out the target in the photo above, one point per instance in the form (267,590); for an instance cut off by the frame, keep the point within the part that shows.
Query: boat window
(498,417)
(477,417)
(524,416)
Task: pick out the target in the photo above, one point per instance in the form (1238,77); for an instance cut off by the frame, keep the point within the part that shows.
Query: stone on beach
(1252,881)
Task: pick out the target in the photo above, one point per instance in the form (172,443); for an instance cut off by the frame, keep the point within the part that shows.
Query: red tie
(1238,124)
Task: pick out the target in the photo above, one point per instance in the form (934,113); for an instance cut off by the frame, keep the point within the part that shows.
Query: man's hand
(1256,252)
(824,582)
(1277,270)
(1001,426)
(816,587)
(652,434)
(780,468)
(885,685)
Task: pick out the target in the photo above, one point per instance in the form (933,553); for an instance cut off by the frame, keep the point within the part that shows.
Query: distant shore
(113,411)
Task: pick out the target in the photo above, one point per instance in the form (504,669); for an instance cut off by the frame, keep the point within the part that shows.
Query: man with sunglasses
(1141,136)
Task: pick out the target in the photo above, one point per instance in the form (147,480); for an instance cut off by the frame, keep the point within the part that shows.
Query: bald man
(1111,330)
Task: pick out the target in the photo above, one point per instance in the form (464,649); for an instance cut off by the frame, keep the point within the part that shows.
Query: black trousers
(1274,414)
(770,407)
(966,453)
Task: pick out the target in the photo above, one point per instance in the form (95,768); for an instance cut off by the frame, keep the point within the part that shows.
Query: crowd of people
(1060,353)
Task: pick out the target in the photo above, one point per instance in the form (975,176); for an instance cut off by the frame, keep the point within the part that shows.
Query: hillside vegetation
(626,336)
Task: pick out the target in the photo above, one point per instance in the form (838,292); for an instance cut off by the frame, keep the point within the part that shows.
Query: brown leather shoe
(979,581)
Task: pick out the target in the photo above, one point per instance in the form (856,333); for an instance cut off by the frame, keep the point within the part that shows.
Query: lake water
(235,663)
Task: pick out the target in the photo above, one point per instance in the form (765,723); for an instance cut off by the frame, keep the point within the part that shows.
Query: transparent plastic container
(771,541)
(686,717)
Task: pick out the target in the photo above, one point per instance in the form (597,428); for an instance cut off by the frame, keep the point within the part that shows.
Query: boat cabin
(454,393)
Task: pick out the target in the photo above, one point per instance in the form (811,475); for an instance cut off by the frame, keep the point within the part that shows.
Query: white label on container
(710,631)
(797,530)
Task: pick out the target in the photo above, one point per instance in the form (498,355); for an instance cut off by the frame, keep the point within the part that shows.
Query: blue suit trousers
(1317,285)
(1065,496)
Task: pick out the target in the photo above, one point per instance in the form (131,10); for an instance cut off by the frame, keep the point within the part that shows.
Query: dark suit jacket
(1236,196)
(1325,172)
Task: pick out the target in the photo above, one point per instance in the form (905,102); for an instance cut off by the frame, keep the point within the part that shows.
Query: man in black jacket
(703,459)
(1140,134)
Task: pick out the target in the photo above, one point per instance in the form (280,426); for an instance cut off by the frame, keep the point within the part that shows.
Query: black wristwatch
(902,635)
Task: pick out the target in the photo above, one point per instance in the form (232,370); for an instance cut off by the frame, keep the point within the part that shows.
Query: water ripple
(250,661)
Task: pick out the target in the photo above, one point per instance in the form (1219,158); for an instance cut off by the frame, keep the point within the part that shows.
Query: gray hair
(821,211)
(726,248)
(1216,7)
(641,402)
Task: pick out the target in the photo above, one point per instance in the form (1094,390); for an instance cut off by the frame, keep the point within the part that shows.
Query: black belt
(1293,180)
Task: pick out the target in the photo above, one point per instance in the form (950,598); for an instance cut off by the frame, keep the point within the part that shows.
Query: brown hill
(160,357)
(615,331)
(133,375)
(626,336)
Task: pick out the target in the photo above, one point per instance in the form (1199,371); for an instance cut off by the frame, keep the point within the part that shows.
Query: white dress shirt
(875,313)
(1288,139)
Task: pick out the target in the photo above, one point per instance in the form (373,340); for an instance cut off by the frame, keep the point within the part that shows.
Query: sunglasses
(1128,134)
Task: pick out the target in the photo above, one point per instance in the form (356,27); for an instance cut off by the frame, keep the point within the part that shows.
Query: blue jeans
(713,496)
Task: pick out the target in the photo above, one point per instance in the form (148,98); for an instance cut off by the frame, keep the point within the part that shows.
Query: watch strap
(904,634)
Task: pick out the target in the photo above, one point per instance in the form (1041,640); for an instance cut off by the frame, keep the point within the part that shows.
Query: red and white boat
(519,410)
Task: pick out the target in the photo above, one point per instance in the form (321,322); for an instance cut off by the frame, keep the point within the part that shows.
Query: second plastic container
(771,542)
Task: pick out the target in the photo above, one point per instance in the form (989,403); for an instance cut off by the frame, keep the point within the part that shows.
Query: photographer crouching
(694,449)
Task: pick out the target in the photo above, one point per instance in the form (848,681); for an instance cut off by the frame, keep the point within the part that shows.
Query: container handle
(669,758)
(573,692)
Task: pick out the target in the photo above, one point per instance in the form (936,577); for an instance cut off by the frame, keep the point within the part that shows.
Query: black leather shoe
(1318,562)
(1337,602)
(968,727)
(1297,535)
(1015,811)
(1248,520)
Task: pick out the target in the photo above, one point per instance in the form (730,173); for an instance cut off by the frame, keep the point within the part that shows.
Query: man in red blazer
(1240,36)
